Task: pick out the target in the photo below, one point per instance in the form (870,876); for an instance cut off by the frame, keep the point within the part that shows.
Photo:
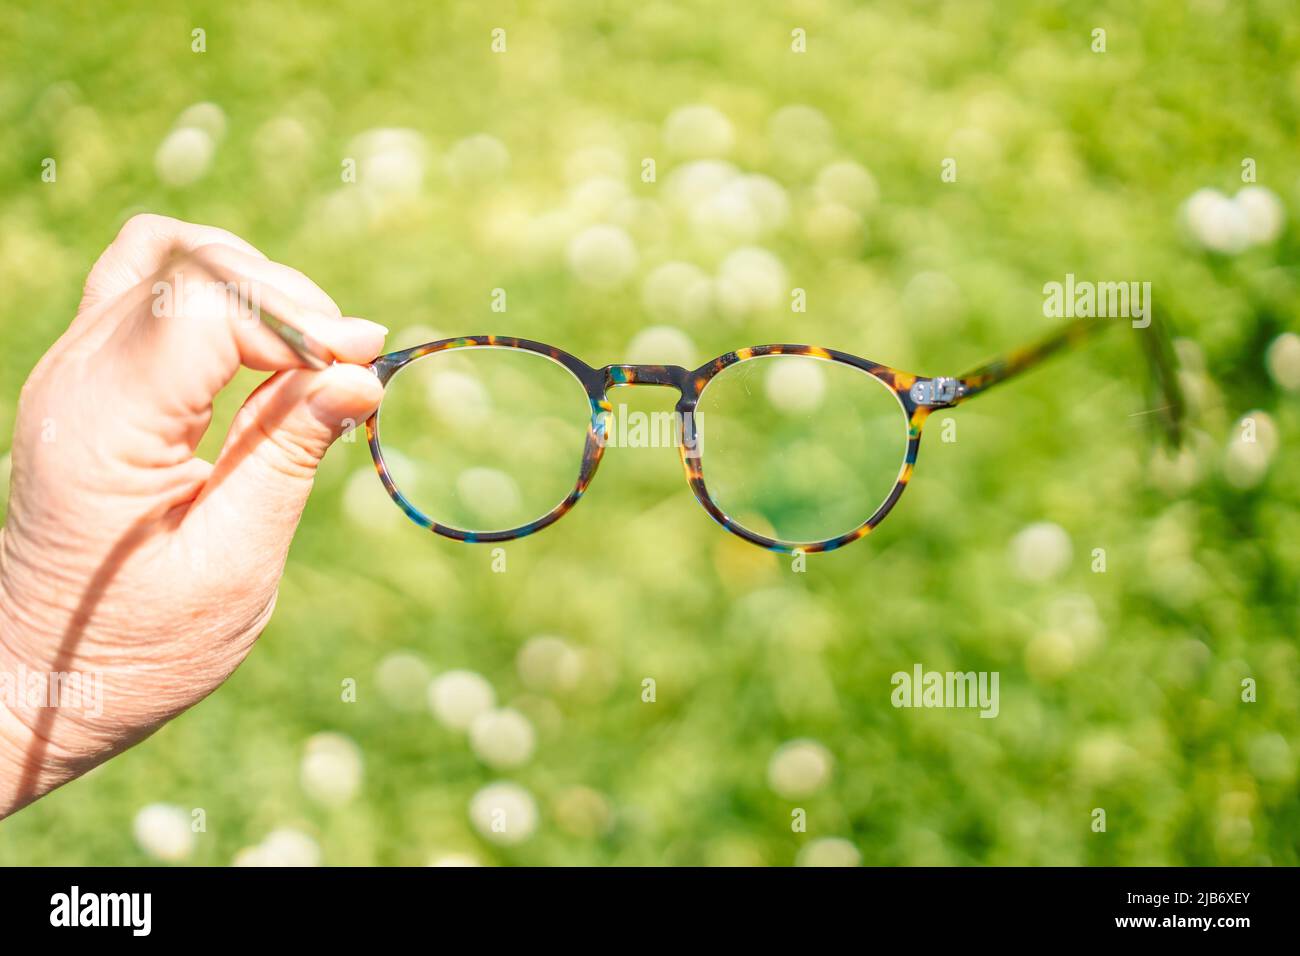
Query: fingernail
(343,395)
(367,322)
(350,339)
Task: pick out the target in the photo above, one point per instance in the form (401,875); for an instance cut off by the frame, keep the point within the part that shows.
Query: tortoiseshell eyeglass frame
(916,394)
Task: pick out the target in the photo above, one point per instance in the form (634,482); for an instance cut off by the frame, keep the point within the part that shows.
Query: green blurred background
(480,170)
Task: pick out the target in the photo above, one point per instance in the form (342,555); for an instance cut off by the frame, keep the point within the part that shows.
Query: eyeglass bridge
(670,376)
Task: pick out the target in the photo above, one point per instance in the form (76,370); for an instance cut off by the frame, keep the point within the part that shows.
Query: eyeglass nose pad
(602,410)
(692,428)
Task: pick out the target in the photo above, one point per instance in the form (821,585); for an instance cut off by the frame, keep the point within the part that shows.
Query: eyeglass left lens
(484,439)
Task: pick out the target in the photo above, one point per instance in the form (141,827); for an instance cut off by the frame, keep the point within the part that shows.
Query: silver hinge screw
(936,391)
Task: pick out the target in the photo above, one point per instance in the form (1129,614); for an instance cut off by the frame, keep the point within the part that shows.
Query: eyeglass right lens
(484,439)
(798,448)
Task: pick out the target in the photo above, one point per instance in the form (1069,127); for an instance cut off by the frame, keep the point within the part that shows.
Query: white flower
(769,200)
(1076,615)
(662,344)
(504,813)
(832,225)
(799,768)
(477,159)
(753,279)
(596,199)
(644,219)
(794,383)
(1262,211)
(583,812)
(330,771)
(289,847)
(1041,551)
(208,117)
(829,851)
(1174,472)
(457,697)
(728,215)
(1270,758)
(454,859)
(693,184)
(489,493)
(550,232)
(403,679)
(248,856)
(1050,655)
(1250,450)
(698,131)
(457,398)
(849,184)
(1283,361)
(163,831)
(341,213)
(677,291)
(391,162)
(1216,222)
(502,739)
(549,664)
(282,137)
(184,156)
(602,256)
(1101,758)
(801,137)
(285,846)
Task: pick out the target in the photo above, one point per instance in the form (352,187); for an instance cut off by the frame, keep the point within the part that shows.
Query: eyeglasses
(794,448)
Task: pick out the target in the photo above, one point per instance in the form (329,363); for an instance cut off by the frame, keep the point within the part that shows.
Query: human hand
(125,559)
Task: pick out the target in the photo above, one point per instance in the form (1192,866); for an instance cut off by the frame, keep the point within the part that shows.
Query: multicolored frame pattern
(917,395)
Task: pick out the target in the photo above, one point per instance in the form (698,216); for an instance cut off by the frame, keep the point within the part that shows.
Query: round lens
(484,439)
(797,448)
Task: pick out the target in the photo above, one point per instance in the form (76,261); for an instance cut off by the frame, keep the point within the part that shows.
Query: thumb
(255,495)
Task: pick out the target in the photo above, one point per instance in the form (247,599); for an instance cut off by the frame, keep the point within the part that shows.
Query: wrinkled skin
(123,554)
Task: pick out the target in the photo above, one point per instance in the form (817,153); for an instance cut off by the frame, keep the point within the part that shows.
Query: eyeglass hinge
(937,392)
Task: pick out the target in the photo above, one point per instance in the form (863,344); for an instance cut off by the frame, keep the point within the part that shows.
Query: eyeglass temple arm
(1157,346)
(1021,360)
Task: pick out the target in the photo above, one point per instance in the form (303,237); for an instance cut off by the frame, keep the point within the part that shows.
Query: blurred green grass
(1068,160)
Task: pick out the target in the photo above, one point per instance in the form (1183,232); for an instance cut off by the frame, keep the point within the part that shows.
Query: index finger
(143,245)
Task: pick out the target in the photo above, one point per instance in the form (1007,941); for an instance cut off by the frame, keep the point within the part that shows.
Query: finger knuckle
(141,225)
(293,454)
